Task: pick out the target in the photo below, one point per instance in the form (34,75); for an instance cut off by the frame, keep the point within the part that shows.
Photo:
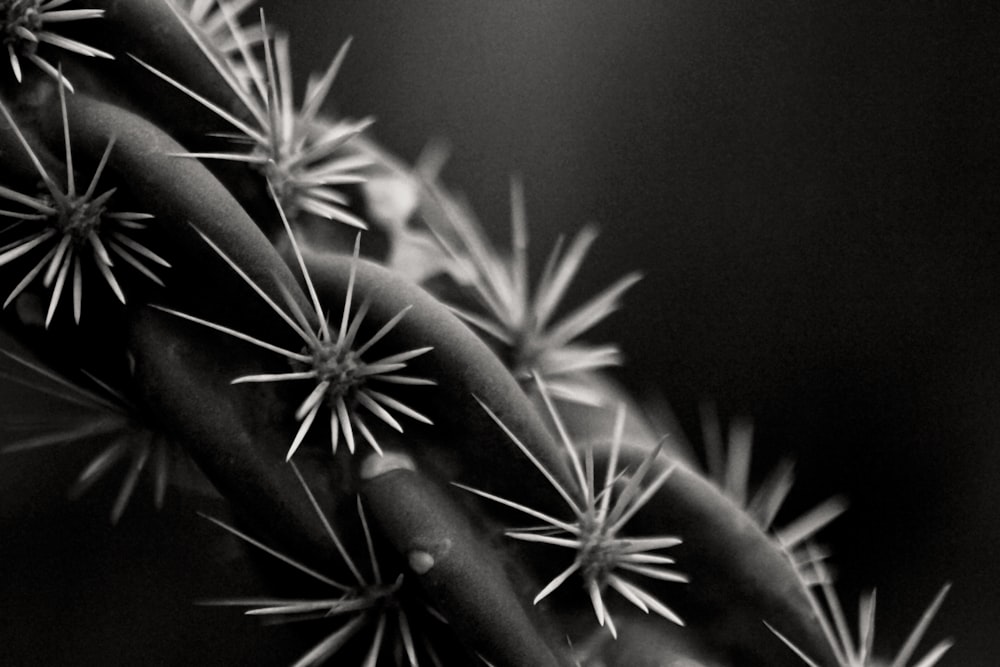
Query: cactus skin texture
(432,475)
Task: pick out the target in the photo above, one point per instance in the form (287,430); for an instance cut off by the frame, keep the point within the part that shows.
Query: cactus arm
(713,528)
(460,573)
(226,430)
(739,576)
(465,370)
(187,201)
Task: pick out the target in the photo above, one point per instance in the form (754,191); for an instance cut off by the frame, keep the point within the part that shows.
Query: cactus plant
(380,427)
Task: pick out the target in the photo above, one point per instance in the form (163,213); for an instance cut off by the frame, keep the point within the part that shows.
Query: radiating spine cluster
(333,361)
(73,229)
(604,556)
(522,322)
(28,24)
(67,235)
(302,159)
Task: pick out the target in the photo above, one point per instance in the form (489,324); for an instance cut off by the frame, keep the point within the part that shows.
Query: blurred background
(810,189)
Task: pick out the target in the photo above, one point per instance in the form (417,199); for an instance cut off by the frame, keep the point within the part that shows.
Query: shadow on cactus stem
(413,538)
(75,415)
(371,605)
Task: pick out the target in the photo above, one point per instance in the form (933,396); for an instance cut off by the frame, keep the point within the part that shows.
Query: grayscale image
(513,333)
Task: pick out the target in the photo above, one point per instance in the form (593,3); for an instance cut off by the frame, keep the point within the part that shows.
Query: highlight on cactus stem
(521,321)
(84,414)
(333,360)
(605,557)
(371,602)
(463,542)
(27,26)
(73,229)
(858,651)
(302,160)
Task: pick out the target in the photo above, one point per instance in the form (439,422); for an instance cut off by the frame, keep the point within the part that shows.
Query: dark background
(811,191)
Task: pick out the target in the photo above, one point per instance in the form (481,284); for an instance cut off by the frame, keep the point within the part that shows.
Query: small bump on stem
(420,562)
(377,465)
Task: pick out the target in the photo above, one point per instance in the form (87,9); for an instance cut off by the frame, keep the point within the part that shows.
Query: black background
(810,189)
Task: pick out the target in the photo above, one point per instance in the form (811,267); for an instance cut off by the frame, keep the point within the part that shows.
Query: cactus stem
(74,226)
(594,533)
(333,360)
(371,602)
